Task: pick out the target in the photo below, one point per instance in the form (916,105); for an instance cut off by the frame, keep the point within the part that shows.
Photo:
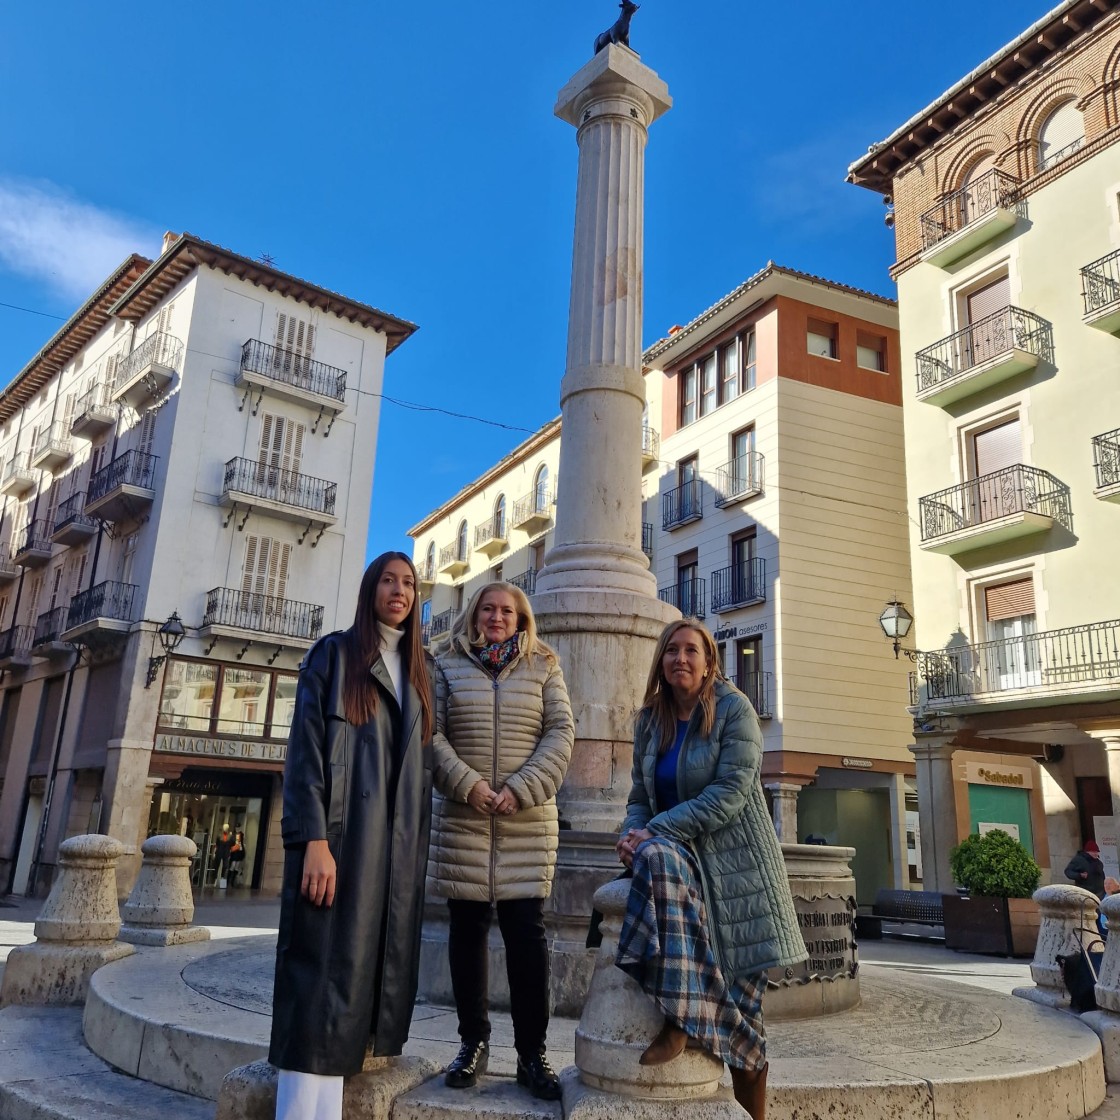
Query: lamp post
(171,633)
(896,621)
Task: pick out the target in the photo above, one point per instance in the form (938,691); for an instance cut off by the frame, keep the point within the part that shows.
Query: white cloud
(48,235)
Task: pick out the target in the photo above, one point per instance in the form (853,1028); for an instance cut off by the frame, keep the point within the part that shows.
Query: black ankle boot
(538,1076)
(469,1065)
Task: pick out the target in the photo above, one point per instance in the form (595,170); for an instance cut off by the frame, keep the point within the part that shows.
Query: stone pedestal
(937,810)
(595,598)
(784,795)
(1068,918)
(160,908)
(76,930)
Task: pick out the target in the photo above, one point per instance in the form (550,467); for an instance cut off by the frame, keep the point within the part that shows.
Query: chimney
(675,329)
(169,239)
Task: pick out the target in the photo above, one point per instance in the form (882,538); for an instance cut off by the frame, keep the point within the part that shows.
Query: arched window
(500,517)
(462,541)
(979,189)
(540,489)
(1061,134)
(430,562)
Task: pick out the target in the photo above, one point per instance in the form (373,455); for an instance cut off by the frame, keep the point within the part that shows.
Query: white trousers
(308,1096)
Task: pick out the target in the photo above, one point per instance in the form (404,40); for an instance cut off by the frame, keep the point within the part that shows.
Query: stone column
(1068,917)
(785,810)
(595,598)
(1111,741)
(937,810)
(900,859)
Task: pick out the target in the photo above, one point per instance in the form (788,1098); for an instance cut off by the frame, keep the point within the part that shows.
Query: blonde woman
(503,740)
(710,908)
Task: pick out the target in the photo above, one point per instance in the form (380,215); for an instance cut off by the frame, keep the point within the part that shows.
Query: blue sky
(407,156)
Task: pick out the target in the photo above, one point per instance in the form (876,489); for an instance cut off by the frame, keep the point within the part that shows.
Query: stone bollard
(619,1021)
(76,930)
(1065,911)
(160,908)
(1106,1021)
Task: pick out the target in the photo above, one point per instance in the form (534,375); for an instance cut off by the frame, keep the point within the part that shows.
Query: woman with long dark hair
(357,813)
(710,908)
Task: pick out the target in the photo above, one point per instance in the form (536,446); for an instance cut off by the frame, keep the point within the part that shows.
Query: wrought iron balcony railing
(492,529)
(54,443)
(441,623)
(527,581)
(994,190)
(50,624)
(263,614)
(133,468)
(159,349)
(260,480)
(96,400)
(1100,282)
(1051,159)
(290,368)
(1106,458)
(538,504)
(1052,659)
(740,478)
(1015,489)
(36,537)
(451,554)
(739,584)
(16,641)
(70,512)
(426,570)
(689,596)
(685,503)
(18,466)
(647,538)
(651,442)
(755,686)
(1010,328)
(104,600)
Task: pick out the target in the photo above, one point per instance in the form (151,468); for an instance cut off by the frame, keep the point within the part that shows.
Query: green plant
(994,864)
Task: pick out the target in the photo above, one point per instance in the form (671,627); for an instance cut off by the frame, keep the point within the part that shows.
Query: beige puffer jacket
(516,731)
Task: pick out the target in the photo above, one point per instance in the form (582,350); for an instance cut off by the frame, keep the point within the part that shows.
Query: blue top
(665,777)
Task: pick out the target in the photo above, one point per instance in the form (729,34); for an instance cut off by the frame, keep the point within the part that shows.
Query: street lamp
(171,633)
(896,621)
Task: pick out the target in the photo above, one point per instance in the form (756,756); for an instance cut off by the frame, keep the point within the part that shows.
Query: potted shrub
(997,915)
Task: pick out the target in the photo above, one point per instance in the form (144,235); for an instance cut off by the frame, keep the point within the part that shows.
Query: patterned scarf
(496,656)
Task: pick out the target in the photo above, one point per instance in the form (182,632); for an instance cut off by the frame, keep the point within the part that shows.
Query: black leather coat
(346,976)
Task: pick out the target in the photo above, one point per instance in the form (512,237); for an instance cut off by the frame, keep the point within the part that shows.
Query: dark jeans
(521,921)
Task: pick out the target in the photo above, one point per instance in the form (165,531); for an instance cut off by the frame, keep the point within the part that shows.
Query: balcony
(34,546)
(106,608)
(971,217)
(260,488)
(739,480)
(72,525)
(19,478)
(647,538)
(527,581)
(491,536)
(1017,501)
(95,412)
(1106,459)
(49,629)
(1033,670)
(453,560)
(123,489)
(248,617)
(15,647)
(651,445)
(756,687)
(441,623)
(1100,291)
(53,449)
(142,378)
(426,574)
(741,585)
(533,513)
(984,353)
(682,505)
(689,596)
(284,373)
(8,567)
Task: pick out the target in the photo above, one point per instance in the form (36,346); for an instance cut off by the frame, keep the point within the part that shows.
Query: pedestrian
(1086,869)
(222,848)
(710,908)
(236,856)
(502,745)
(357,812)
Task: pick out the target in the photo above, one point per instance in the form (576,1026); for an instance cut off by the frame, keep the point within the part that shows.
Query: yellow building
(1005,199)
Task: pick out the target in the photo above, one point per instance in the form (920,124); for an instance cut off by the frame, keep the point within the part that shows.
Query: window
(244,700)
(729,385)
(709,387)
(295,335)
(461,542)
(688,479)
(536,552)
(688,585)
(821,338)
(208,698)
(742,461)
(540,489)
(500,517)
(280,452)
(496,573)
(1061,134)
(1011,657)
(871,351)
(719,376)
(429,571)
(688,395)
(749,361)
(994,490)
(457,598)
(283,704)
(749,678)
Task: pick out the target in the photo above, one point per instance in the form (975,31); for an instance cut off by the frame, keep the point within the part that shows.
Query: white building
(196,444)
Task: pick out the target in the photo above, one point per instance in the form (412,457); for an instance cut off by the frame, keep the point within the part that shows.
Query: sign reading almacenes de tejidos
(221,748)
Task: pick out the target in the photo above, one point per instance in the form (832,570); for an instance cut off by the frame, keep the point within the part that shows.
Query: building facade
(1005,199)
(774,509)
(187,470)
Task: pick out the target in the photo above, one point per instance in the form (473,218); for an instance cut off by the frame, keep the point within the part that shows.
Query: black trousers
(521,921)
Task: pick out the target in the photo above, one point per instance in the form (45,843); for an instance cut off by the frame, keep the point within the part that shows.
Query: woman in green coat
(710,908)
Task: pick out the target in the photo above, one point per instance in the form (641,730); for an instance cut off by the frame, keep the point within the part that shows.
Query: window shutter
(56,587)
(998,447)
(281,587)
(1061,134)
(989,299)
(147,432)
(67,414)
(3,610)
(1009,600)
(293,447)
(31,605)
(249,568)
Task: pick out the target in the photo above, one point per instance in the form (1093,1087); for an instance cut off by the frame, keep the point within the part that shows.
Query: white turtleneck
(391,655)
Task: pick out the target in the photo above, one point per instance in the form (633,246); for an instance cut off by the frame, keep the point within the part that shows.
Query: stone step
(493,1098)
(47,1073)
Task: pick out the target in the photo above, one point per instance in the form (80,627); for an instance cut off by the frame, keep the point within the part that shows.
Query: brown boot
(668,1043)
(750,1090)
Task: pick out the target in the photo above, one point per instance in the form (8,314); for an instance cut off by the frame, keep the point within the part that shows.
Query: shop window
(821,338)
(243,703)
(284,703)
(189,688)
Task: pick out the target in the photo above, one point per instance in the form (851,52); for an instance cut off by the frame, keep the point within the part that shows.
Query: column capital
(1107,732)
(786,789)
(614,71)
(933,747)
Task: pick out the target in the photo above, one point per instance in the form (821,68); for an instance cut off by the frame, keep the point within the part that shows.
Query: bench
(909,913)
